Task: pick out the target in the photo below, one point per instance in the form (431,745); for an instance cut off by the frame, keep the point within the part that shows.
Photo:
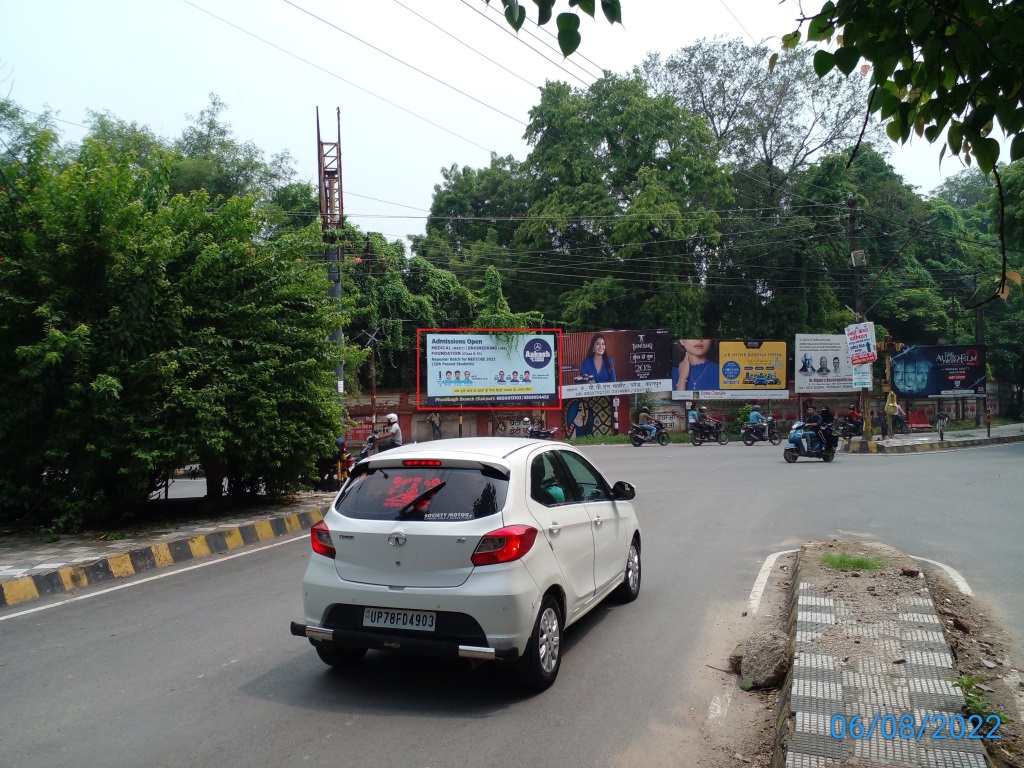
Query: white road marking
(762,580)
(174,572)
(960,581)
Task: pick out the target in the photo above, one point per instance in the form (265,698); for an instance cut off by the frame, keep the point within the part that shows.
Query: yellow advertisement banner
(752,365)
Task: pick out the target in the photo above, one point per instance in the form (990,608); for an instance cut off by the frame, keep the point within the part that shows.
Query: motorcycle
(638,435)
(850,428)
(367,447)
(825,444)
(754,433)
(709,430)
(539,433)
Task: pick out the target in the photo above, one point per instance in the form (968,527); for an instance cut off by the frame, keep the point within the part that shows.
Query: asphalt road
(195,666)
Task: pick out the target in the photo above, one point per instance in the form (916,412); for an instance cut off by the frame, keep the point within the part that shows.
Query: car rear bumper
(402,643)
(495,607)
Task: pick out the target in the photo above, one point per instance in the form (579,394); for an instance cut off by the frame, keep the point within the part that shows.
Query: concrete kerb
(122,564)
(908,674)
(860,445)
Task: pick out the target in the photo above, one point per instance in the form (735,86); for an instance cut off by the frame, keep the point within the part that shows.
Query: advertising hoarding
(615,363)
(860,338)
(949,371)
(513,367)
(823,364)
(707,369)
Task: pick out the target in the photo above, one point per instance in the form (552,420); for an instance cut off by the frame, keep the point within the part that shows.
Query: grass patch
(844,562)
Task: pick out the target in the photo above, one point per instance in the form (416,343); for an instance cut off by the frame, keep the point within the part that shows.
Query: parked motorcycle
(756,433)
(537,432)
(825,446)
(709,430)
(638,435)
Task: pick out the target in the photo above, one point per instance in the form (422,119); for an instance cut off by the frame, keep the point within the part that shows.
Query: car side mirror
(623,491)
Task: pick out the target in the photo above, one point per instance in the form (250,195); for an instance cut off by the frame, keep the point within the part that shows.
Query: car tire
(663,439)
(629,589)
(339,656)
(539,666)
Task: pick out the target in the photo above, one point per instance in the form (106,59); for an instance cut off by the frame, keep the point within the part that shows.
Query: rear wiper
(422,497)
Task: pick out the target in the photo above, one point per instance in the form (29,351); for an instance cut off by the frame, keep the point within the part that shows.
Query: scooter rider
(812,428)
(646,422)
(757,419)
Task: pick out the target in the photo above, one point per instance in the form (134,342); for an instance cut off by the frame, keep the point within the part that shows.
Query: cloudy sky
(421,85)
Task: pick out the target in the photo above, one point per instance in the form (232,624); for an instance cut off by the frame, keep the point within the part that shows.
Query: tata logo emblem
(396,539)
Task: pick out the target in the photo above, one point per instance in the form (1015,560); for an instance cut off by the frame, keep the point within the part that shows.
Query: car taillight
(504,545)
(321,537)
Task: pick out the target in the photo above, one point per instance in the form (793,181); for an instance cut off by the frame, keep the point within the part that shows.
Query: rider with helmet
(855,418)
(698,419)
(647,422)
(394,434)
(757,419)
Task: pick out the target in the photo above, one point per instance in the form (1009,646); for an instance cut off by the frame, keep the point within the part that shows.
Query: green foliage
(962,81)
(975,702)
(842,561)
(138,332)
(568,24)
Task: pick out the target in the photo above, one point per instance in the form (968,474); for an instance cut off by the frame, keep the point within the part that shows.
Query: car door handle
(598,521)
(554,528)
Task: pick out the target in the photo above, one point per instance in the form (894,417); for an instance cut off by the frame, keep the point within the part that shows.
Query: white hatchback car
(479,548)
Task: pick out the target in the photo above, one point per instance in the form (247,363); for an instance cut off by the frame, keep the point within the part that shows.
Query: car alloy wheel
(629,589)
(539,665)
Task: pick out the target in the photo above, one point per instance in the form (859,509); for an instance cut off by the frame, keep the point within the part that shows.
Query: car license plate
(421,621)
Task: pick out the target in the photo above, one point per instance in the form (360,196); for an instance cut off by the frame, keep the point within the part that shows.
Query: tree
(209,157)
(955,64)
(137,333)
(778,120)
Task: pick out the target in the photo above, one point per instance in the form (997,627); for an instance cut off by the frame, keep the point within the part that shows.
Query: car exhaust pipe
(312,632)
(476,652)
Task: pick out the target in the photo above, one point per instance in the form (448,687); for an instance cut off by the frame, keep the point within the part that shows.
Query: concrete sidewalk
(926,442)
(32,567)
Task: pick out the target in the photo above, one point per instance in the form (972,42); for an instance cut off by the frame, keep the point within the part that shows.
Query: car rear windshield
(423,493)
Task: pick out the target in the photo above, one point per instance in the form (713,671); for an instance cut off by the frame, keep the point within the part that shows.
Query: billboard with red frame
(508,368)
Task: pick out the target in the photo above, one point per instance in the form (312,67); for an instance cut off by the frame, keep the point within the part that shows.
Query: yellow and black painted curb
(860,445)
(123,564)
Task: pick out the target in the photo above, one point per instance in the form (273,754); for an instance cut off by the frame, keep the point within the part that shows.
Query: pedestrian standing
(435,425)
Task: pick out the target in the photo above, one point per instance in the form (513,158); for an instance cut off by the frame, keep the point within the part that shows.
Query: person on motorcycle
(855,418)
(393,438)
(647,422)
(702,421)
(757,419)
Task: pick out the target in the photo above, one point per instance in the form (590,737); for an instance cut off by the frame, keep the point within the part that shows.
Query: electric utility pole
(332,219)
(858,259)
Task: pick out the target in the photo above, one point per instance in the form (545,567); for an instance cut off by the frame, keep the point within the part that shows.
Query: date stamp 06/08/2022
(911,728)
